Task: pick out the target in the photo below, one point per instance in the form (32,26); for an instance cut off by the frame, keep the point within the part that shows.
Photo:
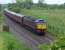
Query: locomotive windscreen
(39,21)
(40,24)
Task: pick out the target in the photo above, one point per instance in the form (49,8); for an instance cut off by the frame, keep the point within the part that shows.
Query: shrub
(58,44)
(8,42)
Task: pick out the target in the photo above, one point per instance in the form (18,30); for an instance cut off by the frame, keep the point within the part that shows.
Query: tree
(0,7)
(25,3)
(20,1)
(28,4)
(40,3)
(64,5)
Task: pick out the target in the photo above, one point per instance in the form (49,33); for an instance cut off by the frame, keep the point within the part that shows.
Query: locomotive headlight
(41,26)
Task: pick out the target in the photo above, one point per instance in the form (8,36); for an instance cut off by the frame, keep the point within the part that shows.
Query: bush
(17,9)
(8,42)
(58,44)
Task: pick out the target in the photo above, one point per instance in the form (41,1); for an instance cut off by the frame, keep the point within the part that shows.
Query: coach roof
(14,13)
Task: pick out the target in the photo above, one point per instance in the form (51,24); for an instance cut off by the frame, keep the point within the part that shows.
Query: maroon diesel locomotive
(35,24)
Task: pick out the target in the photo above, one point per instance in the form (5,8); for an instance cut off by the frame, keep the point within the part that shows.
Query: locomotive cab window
(40,24)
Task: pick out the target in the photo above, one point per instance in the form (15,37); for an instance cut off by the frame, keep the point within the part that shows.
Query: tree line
(28,4)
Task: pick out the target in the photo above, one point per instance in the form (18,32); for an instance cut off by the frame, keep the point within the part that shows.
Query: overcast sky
(52,1)
(7,1)
(46,1)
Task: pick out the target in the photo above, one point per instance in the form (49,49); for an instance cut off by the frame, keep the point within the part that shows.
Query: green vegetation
(1,22)
(1,19)
(58,44)
(8,42)
(28,4)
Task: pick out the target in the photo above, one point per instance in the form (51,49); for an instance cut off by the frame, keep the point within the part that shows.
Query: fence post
(6,28)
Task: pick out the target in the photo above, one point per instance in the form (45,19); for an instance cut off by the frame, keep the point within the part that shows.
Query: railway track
(31,39)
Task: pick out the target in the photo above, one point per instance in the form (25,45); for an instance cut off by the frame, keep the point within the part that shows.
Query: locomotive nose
(40,26)
(38,31)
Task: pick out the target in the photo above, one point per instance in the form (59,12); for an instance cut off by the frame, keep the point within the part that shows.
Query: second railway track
(35,40)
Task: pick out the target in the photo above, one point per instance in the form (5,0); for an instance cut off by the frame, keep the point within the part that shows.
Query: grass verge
(9,42)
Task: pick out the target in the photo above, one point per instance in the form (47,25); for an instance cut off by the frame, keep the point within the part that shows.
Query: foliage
(25,3)
(14,8)
(19,1)
(58,44)
(1,18)
(8,42)
(28,4)
(0,7)
(40,3)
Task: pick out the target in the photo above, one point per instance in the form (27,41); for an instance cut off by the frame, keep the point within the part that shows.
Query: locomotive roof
(14,13)
(32,18)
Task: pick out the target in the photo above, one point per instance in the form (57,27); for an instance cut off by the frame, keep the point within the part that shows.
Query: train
(35,24)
